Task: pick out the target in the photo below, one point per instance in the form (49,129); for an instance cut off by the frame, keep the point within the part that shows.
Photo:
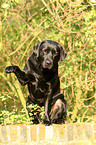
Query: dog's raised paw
(10,69)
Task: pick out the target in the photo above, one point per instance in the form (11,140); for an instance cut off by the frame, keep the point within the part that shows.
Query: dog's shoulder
(32,64)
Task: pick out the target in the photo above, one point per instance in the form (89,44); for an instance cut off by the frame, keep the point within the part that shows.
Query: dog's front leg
(48,106)
(47,110)
(21,76)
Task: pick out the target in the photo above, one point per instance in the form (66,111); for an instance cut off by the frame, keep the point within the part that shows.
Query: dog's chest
(39,86)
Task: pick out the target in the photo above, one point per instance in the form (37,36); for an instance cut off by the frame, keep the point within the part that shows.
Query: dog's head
(49,53)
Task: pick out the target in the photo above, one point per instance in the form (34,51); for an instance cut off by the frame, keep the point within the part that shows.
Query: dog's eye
(45,51)
(55,53)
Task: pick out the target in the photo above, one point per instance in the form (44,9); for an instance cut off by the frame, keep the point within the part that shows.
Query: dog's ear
(36,49)
(63,54)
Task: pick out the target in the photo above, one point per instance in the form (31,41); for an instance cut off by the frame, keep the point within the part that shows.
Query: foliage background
(72,23)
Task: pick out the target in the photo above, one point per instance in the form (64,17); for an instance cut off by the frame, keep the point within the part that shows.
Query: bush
(72,24)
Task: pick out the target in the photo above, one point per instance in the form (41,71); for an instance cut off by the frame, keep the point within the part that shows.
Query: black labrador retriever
(41,75)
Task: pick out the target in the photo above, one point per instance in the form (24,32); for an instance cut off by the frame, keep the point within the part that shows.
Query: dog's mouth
(48,66)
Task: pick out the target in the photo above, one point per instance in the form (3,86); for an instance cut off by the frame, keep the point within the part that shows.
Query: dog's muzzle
(48,63)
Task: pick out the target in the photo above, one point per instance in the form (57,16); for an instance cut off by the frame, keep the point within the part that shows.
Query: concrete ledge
(68,134)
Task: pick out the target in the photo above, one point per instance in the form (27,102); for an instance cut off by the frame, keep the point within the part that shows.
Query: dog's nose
(48,62)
